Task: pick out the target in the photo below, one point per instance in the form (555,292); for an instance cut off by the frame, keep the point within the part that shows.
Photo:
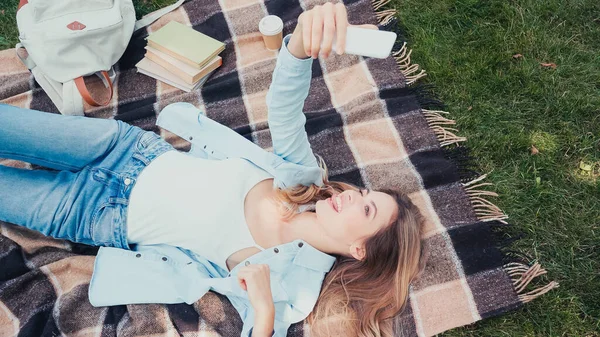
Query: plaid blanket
(369,121)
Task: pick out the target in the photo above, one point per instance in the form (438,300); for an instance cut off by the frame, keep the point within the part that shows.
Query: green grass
(504,106)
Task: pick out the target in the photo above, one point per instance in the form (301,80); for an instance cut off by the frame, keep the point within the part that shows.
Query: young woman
(268,230)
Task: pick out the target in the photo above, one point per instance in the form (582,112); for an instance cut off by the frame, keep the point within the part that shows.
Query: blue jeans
(95,165)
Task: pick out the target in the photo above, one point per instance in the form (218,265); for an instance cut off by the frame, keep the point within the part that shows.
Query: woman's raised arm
(291,78)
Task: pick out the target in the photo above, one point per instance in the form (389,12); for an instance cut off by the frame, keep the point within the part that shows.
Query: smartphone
(368,42)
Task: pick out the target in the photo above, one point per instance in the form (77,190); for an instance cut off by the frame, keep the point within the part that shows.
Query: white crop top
(193,203)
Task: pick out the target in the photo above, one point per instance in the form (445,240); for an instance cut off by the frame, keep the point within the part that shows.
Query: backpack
(63,41)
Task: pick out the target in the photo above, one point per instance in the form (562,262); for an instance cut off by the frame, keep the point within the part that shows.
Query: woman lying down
(267,230)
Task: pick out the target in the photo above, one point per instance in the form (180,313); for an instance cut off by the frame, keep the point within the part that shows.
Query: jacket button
(276,250)
(138,255)
(191,138)
(127,181)
(164,258)
(247,263)
(300,244)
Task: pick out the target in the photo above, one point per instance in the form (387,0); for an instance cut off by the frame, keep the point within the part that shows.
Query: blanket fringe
(411,72)
(377,4)
(385,16)
(522,274)
(484,209)
(437,123)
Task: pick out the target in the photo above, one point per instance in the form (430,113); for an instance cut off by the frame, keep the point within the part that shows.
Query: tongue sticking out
(336,205)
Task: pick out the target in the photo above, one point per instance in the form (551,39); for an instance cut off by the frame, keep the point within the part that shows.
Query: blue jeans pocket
(104,224)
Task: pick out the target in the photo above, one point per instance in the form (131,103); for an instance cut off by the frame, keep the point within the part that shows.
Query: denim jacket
(168,274)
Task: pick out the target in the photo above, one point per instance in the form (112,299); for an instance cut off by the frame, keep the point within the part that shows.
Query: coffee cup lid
(270,25)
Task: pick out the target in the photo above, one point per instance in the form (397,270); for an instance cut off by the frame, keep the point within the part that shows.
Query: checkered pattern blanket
(367,118)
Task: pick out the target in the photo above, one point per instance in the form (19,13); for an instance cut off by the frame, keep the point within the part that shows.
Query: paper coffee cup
(271,28)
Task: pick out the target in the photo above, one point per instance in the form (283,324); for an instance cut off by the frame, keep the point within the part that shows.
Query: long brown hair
(361,297)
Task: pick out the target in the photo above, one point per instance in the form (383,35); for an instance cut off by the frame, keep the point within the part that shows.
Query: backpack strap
(148,19)
(85,94)
(23,55)
(64,95)
(72,103)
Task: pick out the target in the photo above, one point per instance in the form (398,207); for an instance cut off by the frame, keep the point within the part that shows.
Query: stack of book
(181,56)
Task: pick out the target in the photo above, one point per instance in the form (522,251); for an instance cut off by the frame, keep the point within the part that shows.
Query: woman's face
(351,217)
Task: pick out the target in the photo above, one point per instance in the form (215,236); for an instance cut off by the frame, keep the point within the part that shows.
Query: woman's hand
(316,28)
(256,280)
